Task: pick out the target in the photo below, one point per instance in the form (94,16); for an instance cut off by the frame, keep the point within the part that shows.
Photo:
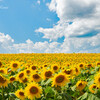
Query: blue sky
(49,26)
(23,17)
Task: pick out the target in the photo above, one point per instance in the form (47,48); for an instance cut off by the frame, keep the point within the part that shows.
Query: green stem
(3,93)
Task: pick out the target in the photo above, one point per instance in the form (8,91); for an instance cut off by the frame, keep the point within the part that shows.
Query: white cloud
(85,15)
(3,7)
(38,1)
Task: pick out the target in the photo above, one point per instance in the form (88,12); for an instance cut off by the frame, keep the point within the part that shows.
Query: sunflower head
(3,81)
(20,94)
(80,85)
(47,74)
(33,91)
(0,64)
(15,65)
(12,79)
(93,88)
(55,68)
(60,80)
(36,77)
(97,80)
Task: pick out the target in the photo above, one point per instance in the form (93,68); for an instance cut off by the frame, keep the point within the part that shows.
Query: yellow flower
(27,71)
(12,79)
(35,77)
(55,68)
(47,73)
(80,85)
(33,91)
(0,64)
(20,76)
(14,65)
(20,94)
(98,63)
(97,80)
(60,80)
(3,71)
(93,88)
(3,81)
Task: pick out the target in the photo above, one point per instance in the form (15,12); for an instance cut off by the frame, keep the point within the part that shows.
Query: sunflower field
(60,76)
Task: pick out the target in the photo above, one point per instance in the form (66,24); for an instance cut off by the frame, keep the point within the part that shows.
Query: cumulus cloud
(84,31)
(7,45)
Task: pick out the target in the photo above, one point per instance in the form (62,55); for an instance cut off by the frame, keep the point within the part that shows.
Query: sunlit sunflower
(12,79)
(80,85)
(14,65)
(93,88)
(69,72)
(1,64)
(25,80)
(20,76)
(81,65)
(97,80)
(46,74)
(98,63)
(33,91)
(77,71)
(3,81)
(35,77)
(3,71)
(89,65)
(27,71)
(60,80)
(55,68)
(20,94)
(33,67)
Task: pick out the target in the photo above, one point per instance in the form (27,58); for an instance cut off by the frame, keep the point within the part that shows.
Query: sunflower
(33,67)
(98,63)
(80,85)
(89,65)
(55,68)
(60,80)
(81,65)
(27,71)
(3,71)
(36,77)
(20,94)
(33,90)
(77,71)
(12,79)
(93,88)
(3,81)
(47,73)
(0,64)
(24,80)
(14,65)
(20,76)
(97,80)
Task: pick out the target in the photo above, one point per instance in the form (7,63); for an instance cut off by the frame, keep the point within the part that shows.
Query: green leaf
(48,81)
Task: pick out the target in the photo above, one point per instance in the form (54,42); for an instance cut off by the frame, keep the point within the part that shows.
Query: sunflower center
(48,73)
(33,90)
(99,79)
(94,87)
(15,65)
(89,65)
(33,67)
(0,64)
(25,80)
(80,84)
(81,65)
(45,65)
(36,76)
(76,70)
(28,71)
(12,79)
(98,63)
(2,80)
(68,71)
(55,67)
(21,93)
(60,78)
(21,75)
(1,71)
